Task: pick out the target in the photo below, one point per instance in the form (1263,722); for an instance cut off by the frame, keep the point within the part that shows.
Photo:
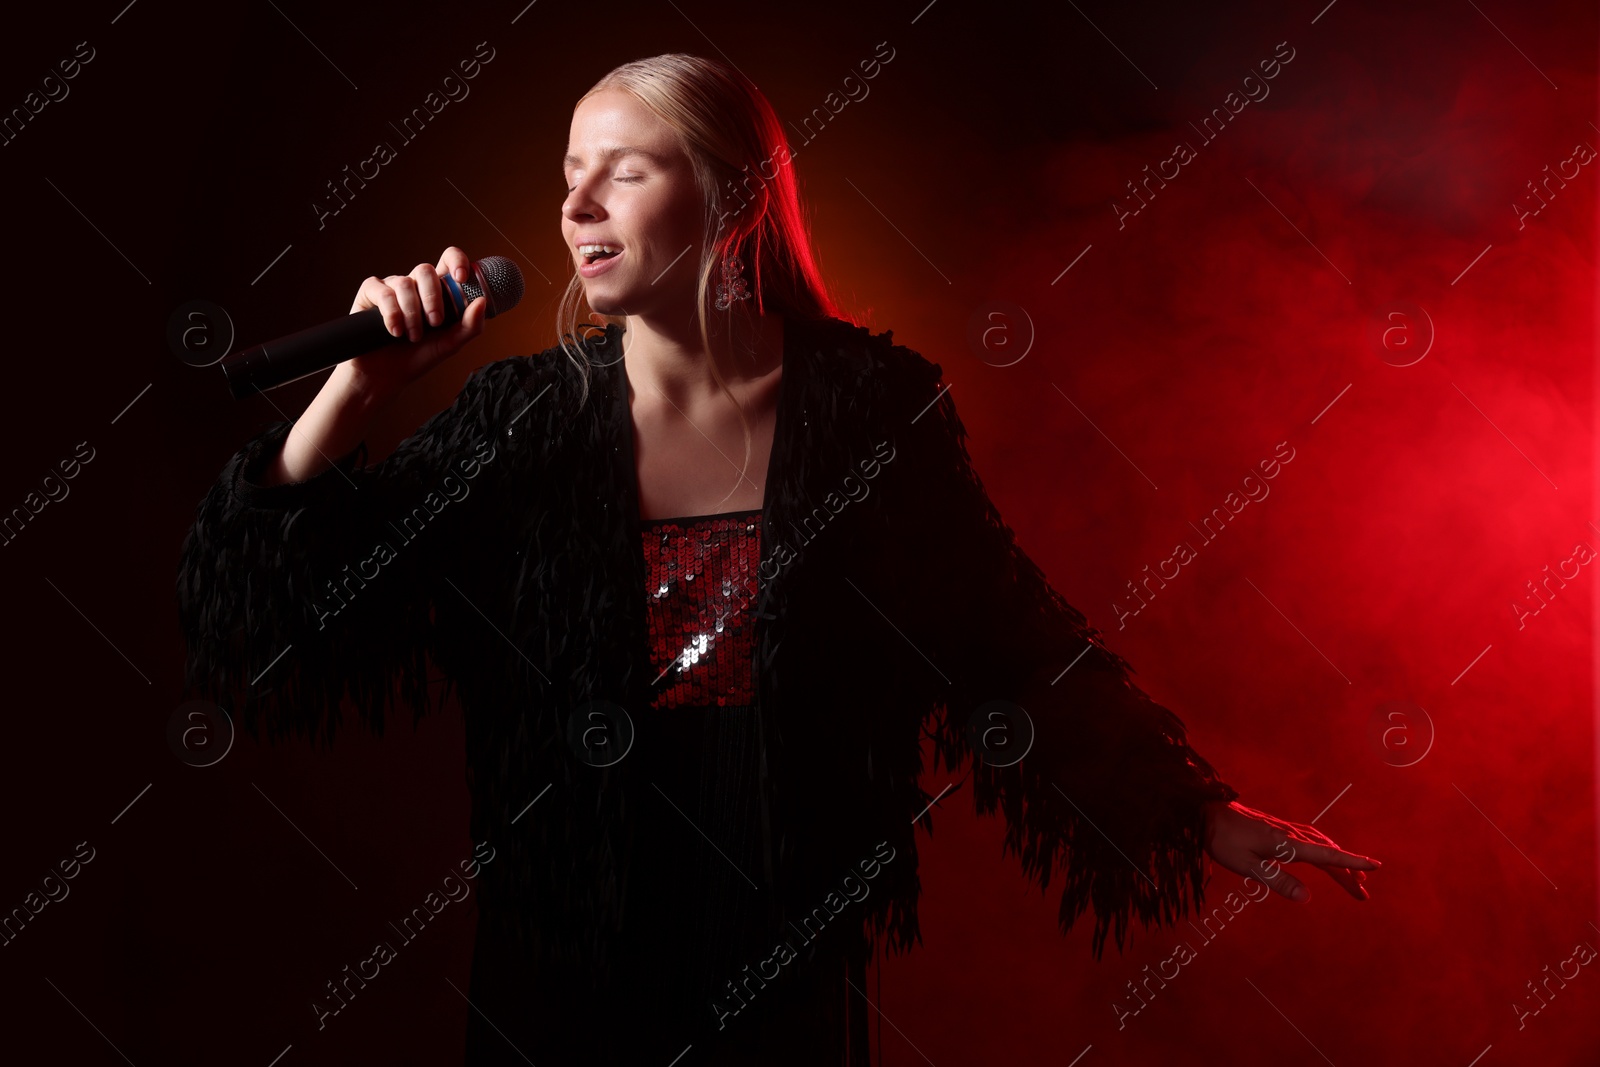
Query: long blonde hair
(732,135)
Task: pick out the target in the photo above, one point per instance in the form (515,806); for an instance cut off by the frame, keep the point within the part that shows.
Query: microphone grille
(501,282)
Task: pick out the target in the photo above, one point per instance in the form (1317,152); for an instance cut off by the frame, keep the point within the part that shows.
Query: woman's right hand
(410,303)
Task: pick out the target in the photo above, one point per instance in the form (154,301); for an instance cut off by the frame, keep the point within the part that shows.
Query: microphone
(288,359)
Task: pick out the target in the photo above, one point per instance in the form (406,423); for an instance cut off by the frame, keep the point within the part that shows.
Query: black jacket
(502,541)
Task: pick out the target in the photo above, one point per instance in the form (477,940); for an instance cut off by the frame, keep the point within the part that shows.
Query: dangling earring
(733,286)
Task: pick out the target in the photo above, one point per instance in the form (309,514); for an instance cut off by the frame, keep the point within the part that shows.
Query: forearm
(333,424)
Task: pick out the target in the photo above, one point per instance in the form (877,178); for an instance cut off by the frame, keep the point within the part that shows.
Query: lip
(594,270)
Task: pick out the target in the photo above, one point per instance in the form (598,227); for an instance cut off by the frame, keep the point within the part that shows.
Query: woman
(702,580)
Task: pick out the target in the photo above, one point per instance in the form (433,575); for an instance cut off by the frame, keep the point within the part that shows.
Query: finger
(1350,880)
(405,291)
(375,293)
(1333,857)
(456,263)
(429,291)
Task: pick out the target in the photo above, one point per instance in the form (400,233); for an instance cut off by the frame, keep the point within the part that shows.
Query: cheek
(677,218)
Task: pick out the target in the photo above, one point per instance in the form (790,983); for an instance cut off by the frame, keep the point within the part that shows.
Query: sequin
(702,633)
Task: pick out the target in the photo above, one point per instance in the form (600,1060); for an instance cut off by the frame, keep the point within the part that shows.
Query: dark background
(1234,312)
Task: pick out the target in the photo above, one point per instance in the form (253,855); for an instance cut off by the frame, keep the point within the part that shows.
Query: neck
(668,355)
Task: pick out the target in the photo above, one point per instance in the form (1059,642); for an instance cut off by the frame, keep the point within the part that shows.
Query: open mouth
(597,258)
(598,252)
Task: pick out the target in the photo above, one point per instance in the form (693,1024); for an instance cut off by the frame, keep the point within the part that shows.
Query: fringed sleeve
(293,597)
(1110,795)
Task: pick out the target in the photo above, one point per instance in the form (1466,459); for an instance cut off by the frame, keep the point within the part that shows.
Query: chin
(604,305)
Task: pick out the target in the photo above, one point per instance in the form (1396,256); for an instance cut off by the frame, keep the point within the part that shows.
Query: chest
(704,464)
(820,581)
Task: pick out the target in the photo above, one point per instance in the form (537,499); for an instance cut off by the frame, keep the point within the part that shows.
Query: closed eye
(619,178)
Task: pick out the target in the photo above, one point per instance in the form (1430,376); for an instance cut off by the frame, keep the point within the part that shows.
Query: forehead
(612,119)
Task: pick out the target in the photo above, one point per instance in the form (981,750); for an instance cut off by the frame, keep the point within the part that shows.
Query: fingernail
(433,317)
(461,274)
(1299,893)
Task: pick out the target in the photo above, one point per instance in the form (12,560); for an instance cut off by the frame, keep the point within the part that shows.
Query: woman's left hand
(1256,845)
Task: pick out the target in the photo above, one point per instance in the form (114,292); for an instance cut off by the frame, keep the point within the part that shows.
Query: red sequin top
(702,583)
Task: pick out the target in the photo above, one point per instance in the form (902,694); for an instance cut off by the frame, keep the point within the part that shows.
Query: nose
(581,203)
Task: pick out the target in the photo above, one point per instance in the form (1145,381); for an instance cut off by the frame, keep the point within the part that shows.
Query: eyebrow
(608,154)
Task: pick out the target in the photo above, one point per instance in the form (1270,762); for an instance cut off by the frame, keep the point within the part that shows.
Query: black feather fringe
(1111,796)
(280,618)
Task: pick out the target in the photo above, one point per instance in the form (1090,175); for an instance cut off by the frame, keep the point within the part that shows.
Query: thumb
(467,327)
(473,318)
(1287,885)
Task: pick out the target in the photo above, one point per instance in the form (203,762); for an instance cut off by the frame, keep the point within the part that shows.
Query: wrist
(363,392)
(1211,809)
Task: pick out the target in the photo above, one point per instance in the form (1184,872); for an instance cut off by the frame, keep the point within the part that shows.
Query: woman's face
(631,186)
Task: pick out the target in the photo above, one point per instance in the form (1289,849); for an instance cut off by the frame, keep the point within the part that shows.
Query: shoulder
(549,385)
(854,352)
(900,390)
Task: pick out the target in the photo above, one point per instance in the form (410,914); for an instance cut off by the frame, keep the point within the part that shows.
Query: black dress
(696,918)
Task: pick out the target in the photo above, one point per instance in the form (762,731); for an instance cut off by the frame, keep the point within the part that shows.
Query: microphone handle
(299,355)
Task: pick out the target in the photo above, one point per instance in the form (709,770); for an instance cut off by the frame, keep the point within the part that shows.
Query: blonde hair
(734,140)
